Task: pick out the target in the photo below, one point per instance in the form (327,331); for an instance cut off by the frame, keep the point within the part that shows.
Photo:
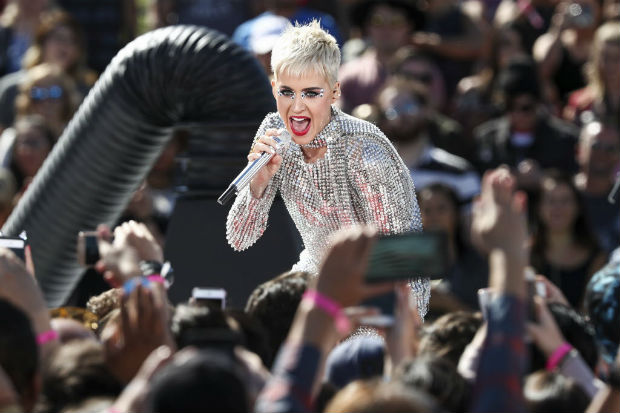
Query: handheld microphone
(244,178)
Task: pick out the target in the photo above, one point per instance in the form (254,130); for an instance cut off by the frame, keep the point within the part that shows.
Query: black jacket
(553,147)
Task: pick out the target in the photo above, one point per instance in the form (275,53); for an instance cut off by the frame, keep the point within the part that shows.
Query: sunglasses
(46,93)
(408,108)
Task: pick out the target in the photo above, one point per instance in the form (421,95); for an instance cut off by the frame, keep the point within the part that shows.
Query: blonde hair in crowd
(608,33)
(305,48)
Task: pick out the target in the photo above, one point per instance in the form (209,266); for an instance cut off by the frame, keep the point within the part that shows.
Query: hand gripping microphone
(249,171)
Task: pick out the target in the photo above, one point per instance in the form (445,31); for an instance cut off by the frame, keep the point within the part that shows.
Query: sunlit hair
(608,33)
(50,22)
(303,49)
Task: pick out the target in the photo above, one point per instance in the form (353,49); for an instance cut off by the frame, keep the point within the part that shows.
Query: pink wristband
(46,336)
(556,357)
(156,278)
(331,307)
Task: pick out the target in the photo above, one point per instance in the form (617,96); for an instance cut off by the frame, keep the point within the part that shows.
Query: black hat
(360,11)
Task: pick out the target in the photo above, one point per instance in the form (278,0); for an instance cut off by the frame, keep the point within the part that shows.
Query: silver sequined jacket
(361,179)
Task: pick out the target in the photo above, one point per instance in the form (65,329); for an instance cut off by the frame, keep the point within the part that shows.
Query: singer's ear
(273,88)
(337,92)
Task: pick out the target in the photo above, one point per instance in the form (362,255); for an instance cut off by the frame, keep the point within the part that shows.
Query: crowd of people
(506,114)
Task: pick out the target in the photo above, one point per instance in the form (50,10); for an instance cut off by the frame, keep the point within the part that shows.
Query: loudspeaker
(196,247)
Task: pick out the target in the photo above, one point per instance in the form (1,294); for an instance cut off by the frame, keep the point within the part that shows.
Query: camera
(15,244)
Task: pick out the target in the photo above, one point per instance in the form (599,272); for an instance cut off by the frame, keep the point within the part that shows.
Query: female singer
(338,171)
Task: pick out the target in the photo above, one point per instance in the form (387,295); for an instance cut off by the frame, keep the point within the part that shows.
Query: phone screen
(15,244)
(210,297)
(408,255)
(385,303)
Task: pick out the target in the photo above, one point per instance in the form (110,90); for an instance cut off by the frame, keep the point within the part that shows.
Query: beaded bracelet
(558,355)
(331,307)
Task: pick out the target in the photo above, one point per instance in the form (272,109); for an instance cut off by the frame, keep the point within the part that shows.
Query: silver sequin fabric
(360,180)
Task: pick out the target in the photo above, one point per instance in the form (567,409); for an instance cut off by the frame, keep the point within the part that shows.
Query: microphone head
(285,137)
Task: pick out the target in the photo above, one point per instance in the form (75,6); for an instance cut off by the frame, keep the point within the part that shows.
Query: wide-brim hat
(359,12)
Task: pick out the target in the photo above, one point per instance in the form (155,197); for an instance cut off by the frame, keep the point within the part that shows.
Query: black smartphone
(87,248)
(15,244)
(408,255)
(385,303)
(534,288)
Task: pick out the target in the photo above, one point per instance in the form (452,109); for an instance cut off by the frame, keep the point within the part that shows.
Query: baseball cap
(266,31)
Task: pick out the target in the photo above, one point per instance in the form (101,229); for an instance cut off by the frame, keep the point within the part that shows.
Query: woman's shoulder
(360,134)
(352,125)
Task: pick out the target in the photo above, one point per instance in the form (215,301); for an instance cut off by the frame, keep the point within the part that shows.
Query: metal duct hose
(177,75)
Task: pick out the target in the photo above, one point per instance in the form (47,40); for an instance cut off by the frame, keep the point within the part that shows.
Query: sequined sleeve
(382,185)
(247,218)
(385,195)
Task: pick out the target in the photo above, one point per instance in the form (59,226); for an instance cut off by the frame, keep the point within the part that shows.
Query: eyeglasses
(45,93)
(310,94)
(609,148)
(409,108)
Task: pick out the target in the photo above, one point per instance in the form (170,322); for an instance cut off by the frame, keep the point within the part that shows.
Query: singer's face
(304,104)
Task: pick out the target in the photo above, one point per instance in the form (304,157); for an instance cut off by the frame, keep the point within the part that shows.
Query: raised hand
(499,214)
(143,327)
(342,273)
(265,143)
(133,242)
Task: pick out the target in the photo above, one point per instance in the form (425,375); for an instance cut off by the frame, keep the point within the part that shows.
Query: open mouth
(300,125)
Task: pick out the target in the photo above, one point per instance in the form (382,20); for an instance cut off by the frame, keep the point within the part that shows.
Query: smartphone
(87,248)
(15,244)
(385,303)
(408,255)
(210,297)
(534,288)
(485,296)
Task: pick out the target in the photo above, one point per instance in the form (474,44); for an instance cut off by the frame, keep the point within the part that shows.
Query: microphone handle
(248,173)
(244,178)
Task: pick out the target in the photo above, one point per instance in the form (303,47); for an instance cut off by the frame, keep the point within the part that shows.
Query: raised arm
(499,228)
(247,218)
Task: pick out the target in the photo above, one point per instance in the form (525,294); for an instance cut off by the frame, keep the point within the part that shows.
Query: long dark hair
(581,230)
(450,194)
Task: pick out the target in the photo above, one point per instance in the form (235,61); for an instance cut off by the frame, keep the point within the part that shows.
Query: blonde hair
(608,33)
(306,48)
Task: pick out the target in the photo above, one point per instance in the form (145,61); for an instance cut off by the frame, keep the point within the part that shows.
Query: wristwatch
(164,270)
